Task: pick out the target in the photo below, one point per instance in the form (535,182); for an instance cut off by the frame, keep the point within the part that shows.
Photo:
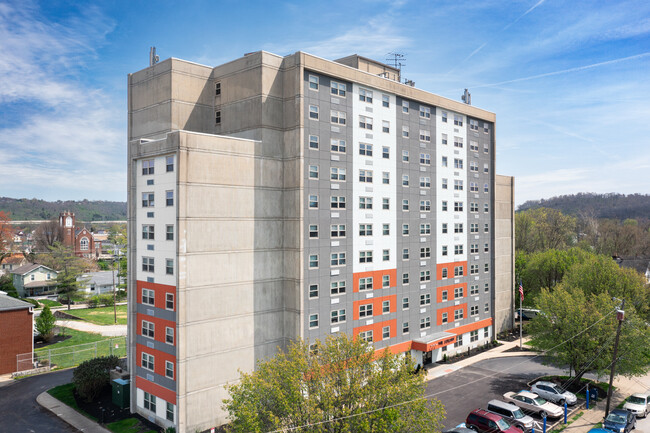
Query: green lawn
(101,315)
(81,347)
(50,303)
(128,425)
(63,393)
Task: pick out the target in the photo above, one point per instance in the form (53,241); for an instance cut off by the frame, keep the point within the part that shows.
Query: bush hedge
(91,376)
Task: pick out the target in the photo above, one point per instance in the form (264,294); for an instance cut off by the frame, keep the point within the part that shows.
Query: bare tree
(47,234)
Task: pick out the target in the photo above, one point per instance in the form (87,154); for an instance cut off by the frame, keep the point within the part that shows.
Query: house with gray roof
(34,280)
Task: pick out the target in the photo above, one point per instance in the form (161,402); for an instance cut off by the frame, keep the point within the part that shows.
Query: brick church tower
(67,224)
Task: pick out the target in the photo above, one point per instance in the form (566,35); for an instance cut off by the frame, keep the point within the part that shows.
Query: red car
(487,422)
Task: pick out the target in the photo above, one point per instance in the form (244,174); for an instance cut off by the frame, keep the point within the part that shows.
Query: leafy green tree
(7,286)
(577,325)
(69,268)
(542,228)
(344,386)
(91,376)
(45,323)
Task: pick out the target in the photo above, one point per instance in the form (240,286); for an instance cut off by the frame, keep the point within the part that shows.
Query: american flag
(521,292)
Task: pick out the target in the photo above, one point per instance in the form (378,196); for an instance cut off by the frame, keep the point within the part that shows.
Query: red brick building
(16,331)
(80,238)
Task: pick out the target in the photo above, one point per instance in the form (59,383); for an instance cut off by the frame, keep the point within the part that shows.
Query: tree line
(85,210)
(612,205)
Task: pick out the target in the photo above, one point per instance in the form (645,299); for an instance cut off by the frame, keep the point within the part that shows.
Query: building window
(169,413)
(405,229)
(458,163)
(444,250)
(147,361)
(217,89)
(458,292)
(169,163)
(487,308)
(313,201)
(486,228)
(443,139)
(444,161)
(313,172)
(169,301)
(365,310)
(337,259)
(148,329)
(217,117)
(148,297)
(425,112)
(385,332)
(473,228)
(337,316)
(458,206)
(337,145)
(337,174)
(169,335)
(486,188)
(473,311)
(313,291)
(425,229)
(473,187)
(425,205)
(405,156)
(385,178)
(473,289)
(405,131)
(337,287)
(486,248)
(425,276)
(425,135)
(147,264)
(365,283)
(473,269)
(313,82)
(337,231)
(486,332)
(338,89)
(458,142)
(365,122)
(313,231)
(365,95)
(385,307)
(169,232)
(385,203)
(169,370)
(313,141)
(385,101)
(84,244)
(425,322)
(405,180)
(458,249)
(459,271)
(473,249)
(366,336)
(444,228)
(385,126)
(169,198)
(405,106)
(365,202)
(147,166)
(425,299)
(365,176)
(458,227)
(458,185)
(425,182)
(486,169)
(486,148)
(444,273)
(443,318)
(150,402)
(385,152)
(365,256)
(486,267)
(473,207)
(425,252)
(169,266)
(385,229)
(337,202)
(443,183)
(458,120)
(313,261)
(405,205)
(405,254)
(425,159)
(486,208)
(365,229)
(405,279)
(443,115)
(313,321)
(405,327)
(458,314)
(444,295)
(459,341)
(147,199)
(486,128)
(473,145)
(487,287)
(313,112)
(337,117)
(385,255)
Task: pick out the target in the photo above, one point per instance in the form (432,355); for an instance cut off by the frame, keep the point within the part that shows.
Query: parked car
(483,421)
(531,402)
(512,413)
(461,428)
(638,404)
(620,421)
(599,430)
(553,393)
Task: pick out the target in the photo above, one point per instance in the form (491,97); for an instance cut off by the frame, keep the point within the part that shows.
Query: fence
(70,356)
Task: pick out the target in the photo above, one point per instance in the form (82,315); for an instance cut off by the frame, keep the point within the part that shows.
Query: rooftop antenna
(153,58)
(467,97)
(396,60)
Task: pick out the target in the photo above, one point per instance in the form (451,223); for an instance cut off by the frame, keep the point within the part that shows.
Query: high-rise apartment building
(272,198)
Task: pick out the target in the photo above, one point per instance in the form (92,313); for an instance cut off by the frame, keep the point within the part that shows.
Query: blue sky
(568,81)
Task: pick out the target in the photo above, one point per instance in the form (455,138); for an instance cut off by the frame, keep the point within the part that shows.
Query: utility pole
(620,316)
(114,295)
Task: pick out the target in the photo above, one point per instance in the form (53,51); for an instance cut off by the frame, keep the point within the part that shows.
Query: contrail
(539,3)
(566,71)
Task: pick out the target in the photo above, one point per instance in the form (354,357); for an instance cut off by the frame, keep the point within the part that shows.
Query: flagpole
(521,318)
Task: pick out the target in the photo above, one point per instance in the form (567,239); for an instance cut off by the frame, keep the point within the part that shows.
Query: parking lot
(473,386)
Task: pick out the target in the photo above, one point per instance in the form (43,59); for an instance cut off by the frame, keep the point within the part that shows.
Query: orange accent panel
(159,324)
(376,305)
(450,313)
(155,389)
(160,291)
(159,359)
(450,292)
(471,326)
(401,347)
(434,345)
(376,278)
(450,269)
(376,329)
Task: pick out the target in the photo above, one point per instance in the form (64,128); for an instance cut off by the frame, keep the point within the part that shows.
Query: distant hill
(85,210)
(612,205)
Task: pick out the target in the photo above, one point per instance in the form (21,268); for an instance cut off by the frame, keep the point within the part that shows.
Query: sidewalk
(105,330)
(624,386)
(69,415)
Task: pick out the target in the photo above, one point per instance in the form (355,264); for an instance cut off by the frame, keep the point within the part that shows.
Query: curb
(69,415)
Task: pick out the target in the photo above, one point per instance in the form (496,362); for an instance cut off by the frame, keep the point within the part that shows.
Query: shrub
(91,376)
(121,295)
(34,302)
(93,302)
(106,300)
(45,323)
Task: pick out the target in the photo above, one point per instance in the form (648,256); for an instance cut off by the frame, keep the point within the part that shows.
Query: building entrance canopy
(433,341)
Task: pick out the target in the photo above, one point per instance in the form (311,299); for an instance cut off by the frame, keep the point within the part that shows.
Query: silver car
(638,404)
(554,393)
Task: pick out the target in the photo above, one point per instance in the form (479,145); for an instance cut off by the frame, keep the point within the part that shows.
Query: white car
(638,404)
(554,393)
(531,402)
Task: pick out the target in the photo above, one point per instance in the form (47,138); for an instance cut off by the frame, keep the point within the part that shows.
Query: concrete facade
(504,289)
(247,228)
